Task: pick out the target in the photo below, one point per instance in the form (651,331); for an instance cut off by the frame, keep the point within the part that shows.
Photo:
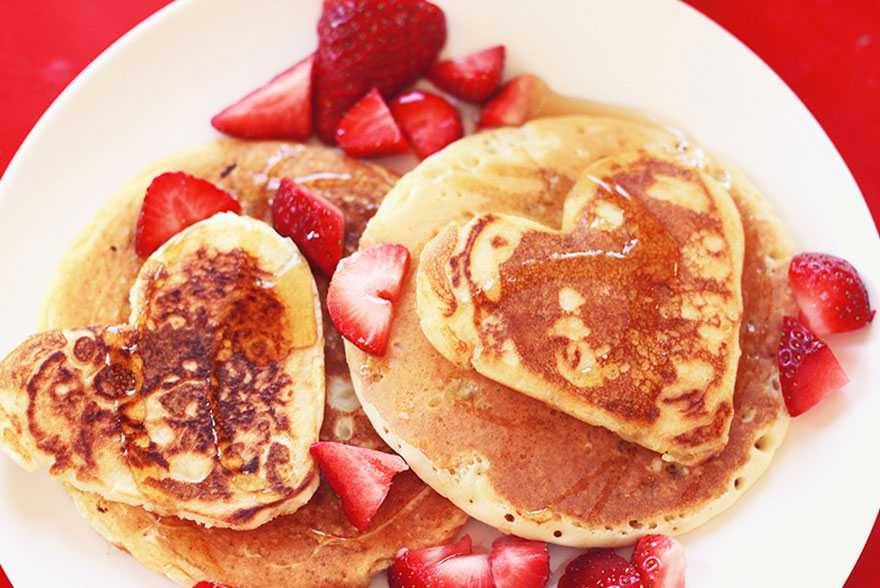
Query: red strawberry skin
(208,584)
(830,294)
(365,43)
(360,476)
(808,370)
(280,109)
(661,561)
(473,78)
(519,563)
(369,130)
(600,568)
(362,292)
(175,200)
(429,122)
(314,223)
(514,103)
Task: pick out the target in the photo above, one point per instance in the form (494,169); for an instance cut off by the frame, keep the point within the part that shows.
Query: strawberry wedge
(360,476)
(513,104)
(281,109)
(429,122)
(600,568)
(808,370)
(369,130)
(314,223)
(660,560)
(416,568)
(362,292)
(472,78)
(175,200)
(831,296)
(519,563)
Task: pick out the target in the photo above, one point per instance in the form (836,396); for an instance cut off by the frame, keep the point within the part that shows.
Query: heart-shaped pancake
(625,317)
(204,405)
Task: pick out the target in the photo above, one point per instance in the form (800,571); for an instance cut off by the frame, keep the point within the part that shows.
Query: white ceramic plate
(155,90)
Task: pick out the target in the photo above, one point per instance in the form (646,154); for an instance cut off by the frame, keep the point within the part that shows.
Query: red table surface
(827,51)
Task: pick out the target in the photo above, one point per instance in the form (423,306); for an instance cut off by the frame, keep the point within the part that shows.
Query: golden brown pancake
(626,317)
(204,404)
(511,460)
(316,546)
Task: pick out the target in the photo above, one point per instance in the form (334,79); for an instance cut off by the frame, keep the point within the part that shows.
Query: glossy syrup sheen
(212,348)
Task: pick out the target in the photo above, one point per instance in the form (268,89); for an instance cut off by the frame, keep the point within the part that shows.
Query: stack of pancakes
(238,526)
(587,350)
(582,352)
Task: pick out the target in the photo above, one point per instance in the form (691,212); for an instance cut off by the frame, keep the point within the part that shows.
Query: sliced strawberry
(361,45)
(360,476)
(314,223)
(808,370)
(830,294)
(519,563)
(599,568)
(660,560)
(175,200)
(208,584)
(464,571)
(428,121)
(361,294)
(473,77)
(369,130)
(513,105)
(414,569)
(280,109)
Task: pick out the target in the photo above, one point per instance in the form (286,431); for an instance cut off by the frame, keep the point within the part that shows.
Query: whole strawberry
(362,44)
(829,292)
(600,568)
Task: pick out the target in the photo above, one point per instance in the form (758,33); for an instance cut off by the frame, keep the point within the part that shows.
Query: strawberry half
(513,105)
(369,130)
(808,370)
(385,44)
(660,560)
(280,109)
(599,568)
(830,294)
(414,569)
(360,476)
(428,121)
(473,77)
(314,223)
(519,563)
(174,201)
(362,291)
